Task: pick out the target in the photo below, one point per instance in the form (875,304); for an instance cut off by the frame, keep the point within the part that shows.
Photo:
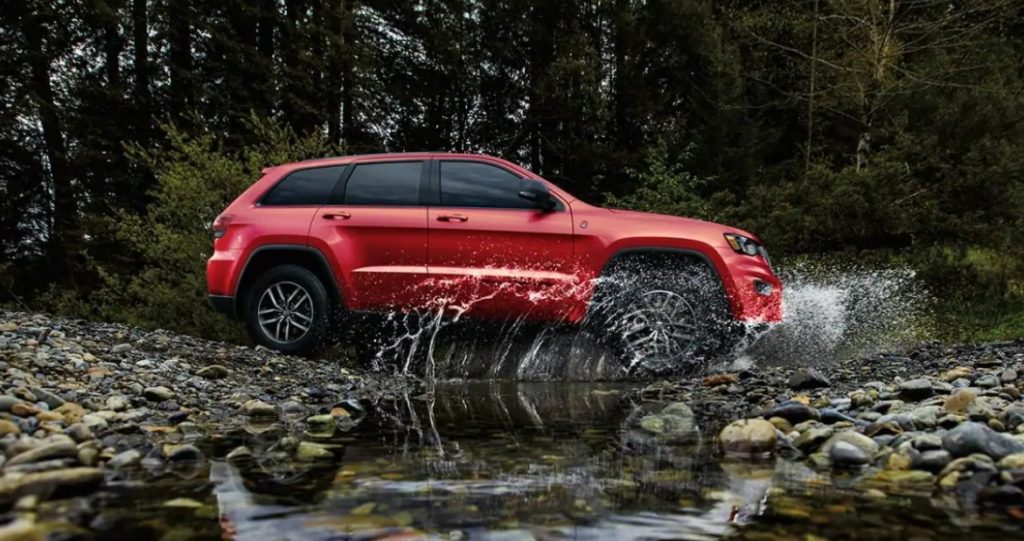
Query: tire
(299,301)
(662,317)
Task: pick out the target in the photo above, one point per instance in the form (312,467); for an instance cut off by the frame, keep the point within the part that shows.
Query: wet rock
(916,389)
(158,393)
(846,454)
(807,378)
(52,400)
(8,427)
(748,437)
(214,371)
(259,409)
(1008,376)
(124,459)
(668,427)
(867,445)
(794,412)
(13,486)
(24,409)
(926,442)
(309,451)
(933,460)
(987,381)
(716,380)
(904,477)
(121,348)
(960,372)
(185,452)
(117,403)
(7,402)
(812,438)
(1012,462)
(63,448)
(972,437)
(239,453)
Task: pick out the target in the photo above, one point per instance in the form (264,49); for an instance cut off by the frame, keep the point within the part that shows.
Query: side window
(304,187)
(475,184)
(395,183)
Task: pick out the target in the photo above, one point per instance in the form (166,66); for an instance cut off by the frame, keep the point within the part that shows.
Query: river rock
(1012,462)
(7,402)
(124,459)
(987,381)
(933,460)
(846,454)
(1008,376)
(813,437)
(309,451)
(748,437)
(8,427)
(867,445)
(158,393)
(258,408)
(972,437)
(184,452)
(794,412)
(214,371)
(916,389)
(807,378)
(62,448)
(121,348)
(15,485)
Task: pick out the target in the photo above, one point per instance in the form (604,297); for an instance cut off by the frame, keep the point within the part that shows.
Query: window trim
(434,198)
(337,196)
(261,202)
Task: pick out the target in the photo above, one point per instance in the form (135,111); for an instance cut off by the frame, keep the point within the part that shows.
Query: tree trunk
(180,65)
(348,35)
(266,21)
(112,46)
(140,34)
(812,90)
(63,211)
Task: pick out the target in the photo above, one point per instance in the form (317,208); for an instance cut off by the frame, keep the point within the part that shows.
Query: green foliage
(170,242)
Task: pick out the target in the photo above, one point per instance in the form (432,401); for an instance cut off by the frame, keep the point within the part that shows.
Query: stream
(503,461)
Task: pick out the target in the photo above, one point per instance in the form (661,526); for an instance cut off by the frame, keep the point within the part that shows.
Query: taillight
(220,225)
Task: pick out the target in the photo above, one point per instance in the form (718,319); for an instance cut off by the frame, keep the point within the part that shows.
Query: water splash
(830,314)
(833,313)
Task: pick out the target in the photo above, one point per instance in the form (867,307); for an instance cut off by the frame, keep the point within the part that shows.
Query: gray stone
(748,437)
(987,381)
(916,389)
(932,460)
(13,486)
(794,412)
(807,378)
(1008,376)
(971,437)
(121,348)
(257,408)
(123,459)
(7,402)
(846,454)
(51,399)
(812,438)
(184,452)
(851,437)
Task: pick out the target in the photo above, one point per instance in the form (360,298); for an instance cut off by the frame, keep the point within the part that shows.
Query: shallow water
(517,461)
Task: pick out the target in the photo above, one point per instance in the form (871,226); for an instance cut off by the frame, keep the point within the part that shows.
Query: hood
(683,221)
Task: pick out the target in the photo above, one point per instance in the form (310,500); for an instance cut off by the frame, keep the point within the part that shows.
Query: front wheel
(287,310)
(662,321)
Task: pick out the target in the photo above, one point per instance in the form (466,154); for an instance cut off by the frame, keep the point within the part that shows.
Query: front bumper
(755,292)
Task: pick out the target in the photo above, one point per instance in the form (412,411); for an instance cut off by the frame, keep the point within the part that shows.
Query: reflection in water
(502,461)
(522,461)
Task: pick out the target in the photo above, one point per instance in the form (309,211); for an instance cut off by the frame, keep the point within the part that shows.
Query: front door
(493,253)
(375,227)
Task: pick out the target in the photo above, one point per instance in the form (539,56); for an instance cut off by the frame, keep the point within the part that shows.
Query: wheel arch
(692,255)
(268,256)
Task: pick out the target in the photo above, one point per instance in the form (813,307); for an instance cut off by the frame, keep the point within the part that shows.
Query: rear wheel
(662,317)
(287,310)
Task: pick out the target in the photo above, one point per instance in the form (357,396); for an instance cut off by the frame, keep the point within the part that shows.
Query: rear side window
(474,184)
(304,187)
(389,184)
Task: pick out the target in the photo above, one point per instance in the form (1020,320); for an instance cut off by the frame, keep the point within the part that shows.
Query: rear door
(375,228)
(492,252)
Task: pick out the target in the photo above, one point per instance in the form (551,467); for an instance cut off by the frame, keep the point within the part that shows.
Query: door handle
(342,215)
(452,218)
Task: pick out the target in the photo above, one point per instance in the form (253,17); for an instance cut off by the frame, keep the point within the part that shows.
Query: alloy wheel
(658,329)
(285,312)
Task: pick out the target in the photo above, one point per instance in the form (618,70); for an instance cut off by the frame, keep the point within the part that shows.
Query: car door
(491,251)
(375,229)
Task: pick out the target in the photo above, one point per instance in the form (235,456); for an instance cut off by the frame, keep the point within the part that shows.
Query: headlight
(742,244)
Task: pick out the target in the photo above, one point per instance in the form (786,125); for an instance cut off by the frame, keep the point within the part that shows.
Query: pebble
(158,393)
(258,408)
(748,437)
(214,371)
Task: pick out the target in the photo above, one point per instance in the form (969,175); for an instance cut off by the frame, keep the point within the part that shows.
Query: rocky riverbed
(96,419)
(941,420)
(82,402)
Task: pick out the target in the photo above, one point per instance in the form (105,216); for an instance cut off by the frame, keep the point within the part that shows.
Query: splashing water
(830,314)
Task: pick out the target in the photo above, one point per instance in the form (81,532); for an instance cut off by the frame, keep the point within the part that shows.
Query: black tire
(284,281)
(681,306)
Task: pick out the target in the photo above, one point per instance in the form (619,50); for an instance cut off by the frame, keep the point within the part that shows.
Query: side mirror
(538,193)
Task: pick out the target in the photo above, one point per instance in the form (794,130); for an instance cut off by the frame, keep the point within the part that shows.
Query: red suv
(477,235)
